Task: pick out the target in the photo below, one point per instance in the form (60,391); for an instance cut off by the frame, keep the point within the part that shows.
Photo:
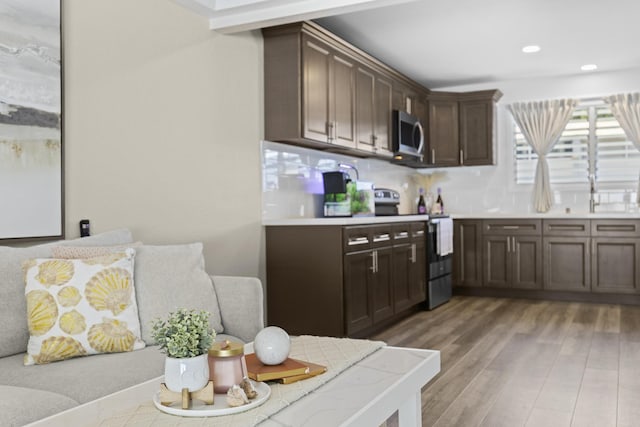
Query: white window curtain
(626,109)
(542,124)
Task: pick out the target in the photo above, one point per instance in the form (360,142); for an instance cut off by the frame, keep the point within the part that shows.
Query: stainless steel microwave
(408,136)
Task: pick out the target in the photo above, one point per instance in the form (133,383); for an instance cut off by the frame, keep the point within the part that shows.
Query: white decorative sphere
(272,345)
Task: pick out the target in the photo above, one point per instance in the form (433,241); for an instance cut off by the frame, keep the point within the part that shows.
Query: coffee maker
(337,202)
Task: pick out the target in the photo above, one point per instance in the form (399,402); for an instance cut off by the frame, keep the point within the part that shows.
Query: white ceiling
(443,43)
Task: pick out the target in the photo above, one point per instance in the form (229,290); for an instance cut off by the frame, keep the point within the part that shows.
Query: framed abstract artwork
(31,134)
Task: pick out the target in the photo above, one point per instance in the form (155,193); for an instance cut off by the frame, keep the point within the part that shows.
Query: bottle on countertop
(439,206)
(422,206)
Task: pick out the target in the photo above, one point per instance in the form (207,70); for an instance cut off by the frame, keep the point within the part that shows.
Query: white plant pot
(188,372)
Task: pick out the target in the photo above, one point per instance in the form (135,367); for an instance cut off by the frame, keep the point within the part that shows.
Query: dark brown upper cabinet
(322,92)
(373,113)
(328,95)
(462,128)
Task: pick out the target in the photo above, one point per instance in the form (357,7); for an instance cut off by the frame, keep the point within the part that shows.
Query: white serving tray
(219,407)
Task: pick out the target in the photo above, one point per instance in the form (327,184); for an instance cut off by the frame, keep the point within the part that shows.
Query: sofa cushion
(171,277)
(14,334)
(16,410)
(78,307)
(85,378)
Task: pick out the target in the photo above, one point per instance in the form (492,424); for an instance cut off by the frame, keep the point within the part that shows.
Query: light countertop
(559,215)
(409,218)
(345,220)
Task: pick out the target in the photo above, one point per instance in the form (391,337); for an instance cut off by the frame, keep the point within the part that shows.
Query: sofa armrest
(241,305)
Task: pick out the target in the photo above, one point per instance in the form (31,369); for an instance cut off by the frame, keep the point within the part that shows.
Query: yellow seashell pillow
(79,307)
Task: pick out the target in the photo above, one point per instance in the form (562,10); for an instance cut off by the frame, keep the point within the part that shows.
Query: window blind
(592,142)
(568,160)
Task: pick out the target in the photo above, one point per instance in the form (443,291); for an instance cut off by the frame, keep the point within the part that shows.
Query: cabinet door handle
(329,131)
(508,244)
(461,158)
(335,131)
(373,262)
(514,244)
(414,257)
(433,156)
(375,258)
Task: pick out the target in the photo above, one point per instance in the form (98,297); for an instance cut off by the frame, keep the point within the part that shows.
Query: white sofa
(29,393)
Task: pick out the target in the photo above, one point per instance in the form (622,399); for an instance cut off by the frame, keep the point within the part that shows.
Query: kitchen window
(592,143)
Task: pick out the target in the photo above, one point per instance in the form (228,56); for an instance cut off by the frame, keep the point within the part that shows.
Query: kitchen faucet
(592,194)
(348,166)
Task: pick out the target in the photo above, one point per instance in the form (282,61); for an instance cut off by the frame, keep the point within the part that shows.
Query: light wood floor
(516,362)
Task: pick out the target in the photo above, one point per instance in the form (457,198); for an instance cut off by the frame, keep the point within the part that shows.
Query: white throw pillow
(79,307)
(171,277)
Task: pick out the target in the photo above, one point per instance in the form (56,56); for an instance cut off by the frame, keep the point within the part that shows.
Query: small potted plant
(185,336)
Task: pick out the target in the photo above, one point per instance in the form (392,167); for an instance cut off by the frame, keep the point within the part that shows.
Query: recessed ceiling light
(531,48)
(589,67)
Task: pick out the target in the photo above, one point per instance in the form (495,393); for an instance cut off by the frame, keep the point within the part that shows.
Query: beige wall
(163,119)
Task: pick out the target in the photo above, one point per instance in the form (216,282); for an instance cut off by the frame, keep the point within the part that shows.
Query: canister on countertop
(226,365)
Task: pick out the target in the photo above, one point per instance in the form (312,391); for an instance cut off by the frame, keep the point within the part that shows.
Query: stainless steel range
(440,263)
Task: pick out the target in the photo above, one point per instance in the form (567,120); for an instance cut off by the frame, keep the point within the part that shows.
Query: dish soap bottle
(422,206)
(439,206)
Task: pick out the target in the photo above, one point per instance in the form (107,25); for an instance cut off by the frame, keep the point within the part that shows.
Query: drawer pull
(418,233)
(510,227)
(567,227)
(402,235)
(358,241)
(381,237)
(616,228)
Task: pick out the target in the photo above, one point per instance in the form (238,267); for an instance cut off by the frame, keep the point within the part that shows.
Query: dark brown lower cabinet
(497,261)
(615,265)
(418,268)
(566,264)
(527,262)
(513,262)
(343,280)
(467,253)
(409,265)
(358,277)
(367,286)
(383,304)
(574,258)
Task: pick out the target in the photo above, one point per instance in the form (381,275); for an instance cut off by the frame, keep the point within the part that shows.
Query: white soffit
(231,16)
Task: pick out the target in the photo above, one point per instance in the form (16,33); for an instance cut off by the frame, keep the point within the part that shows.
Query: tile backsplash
(292,186)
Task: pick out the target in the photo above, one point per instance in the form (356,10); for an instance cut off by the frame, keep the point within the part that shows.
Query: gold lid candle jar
(226,365)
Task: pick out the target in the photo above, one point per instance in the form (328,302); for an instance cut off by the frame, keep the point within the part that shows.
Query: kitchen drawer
(512,227)
(402,233)
(615,228)
(360,238)
(418,230)
(566,227)
(357,238)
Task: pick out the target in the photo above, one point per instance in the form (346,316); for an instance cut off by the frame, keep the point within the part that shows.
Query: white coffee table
(366,394)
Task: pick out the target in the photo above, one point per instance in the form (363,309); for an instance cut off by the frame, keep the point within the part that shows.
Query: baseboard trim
(602,298)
